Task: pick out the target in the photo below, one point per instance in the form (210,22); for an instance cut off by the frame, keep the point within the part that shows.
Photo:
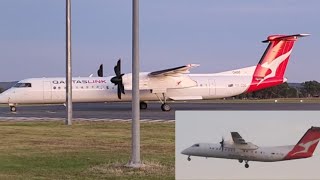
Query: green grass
(86,150)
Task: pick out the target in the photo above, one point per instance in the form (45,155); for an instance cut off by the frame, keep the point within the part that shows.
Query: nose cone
(3,98)
(186,151)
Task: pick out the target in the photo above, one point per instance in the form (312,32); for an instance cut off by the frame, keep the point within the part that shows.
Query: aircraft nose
(186,151)
(3,98)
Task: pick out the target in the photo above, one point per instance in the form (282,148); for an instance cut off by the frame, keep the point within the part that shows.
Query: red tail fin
(272,65)
(306,145)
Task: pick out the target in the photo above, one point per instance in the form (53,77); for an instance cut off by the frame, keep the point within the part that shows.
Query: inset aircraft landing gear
(240,160)
(164,106)
(143,105)
(246,165)
(13,109)
(189,159)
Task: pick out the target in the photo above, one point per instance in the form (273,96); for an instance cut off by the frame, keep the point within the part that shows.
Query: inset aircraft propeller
(117,80)
(222,143)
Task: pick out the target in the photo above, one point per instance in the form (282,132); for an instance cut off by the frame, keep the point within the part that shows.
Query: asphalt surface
(123,110)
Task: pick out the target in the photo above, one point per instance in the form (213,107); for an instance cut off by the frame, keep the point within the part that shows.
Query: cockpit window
(195,145)
(20,85)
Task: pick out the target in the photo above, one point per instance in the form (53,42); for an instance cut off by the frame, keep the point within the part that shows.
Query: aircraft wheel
(143,105)
(246,165)
(13,109)
(240,160)
(189,159)
(165,107)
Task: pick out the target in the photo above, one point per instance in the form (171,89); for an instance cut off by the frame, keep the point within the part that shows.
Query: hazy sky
(263,128)
(219,35)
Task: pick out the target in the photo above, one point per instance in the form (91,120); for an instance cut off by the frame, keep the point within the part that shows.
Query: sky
(218,35)
(262,128)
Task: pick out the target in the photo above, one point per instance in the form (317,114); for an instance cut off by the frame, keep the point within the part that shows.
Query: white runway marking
(78,119)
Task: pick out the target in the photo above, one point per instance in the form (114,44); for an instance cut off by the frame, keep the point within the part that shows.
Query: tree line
(304,90)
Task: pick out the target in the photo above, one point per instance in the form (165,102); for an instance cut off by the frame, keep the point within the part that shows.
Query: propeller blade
(121,87)
(100,71)
(119,92)
(119,65)
(117,68)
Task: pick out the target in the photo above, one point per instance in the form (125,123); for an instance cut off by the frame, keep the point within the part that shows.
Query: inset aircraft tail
(306,146)
(272,65)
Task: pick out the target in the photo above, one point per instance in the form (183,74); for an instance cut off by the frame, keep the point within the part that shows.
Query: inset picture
(247,144)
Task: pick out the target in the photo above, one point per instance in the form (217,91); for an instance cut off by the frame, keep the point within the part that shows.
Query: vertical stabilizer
(306,146)
(273,63)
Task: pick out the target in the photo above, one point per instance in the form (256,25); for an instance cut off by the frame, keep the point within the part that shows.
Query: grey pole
(68,63)
(135,154)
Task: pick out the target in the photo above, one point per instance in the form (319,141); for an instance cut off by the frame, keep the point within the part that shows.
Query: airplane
(246,151)
(168,84)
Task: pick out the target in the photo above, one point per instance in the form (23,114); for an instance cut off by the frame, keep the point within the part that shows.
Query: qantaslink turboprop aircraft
(172,84)
(246,151)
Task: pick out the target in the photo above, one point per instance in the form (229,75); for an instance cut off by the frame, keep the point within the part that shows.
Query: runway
(122,111)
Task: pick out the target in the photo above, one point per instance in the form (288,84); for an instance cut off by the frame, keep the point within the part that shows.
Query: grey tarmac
(123,110)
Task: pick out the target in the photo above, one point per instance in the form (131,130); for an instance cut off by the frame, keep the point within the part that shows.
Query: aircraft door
(47,95)
(212,87)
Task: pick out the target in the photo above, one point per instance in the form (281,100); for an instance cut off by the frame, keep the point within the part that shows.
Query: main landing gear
(143,105)
(189,159)
(164,106)
(246,165)
(13,108)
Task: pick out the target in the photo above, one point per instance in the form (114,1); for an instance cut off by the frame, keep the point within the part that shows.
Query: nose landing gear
(189,159)
(13,108)
(143,105)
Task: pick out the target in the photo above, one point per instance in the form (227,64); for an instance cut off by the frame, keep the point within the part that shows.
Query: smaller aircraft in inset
(246,151)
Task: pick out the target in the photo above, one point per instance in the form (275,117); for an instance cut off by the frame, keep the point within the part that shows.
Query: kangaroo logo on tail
(306,146)
(273,63)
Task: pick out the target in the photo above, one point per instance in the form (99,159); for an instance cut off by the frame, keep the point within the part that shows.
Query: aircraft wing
(160,81)
(237,139)
(176,71)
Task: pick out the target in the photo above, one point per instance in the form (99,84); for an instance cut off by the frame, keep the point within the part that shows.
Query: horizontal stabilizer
(284,37)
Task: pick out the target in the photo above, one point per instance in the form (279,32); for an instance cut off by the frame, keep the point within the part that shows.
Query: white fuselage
(231,151)
(100,89)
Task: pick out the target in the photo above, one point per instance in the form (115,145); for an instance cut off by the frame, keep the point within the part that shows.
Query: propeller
(100,71)
(222,144)
(117,80)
